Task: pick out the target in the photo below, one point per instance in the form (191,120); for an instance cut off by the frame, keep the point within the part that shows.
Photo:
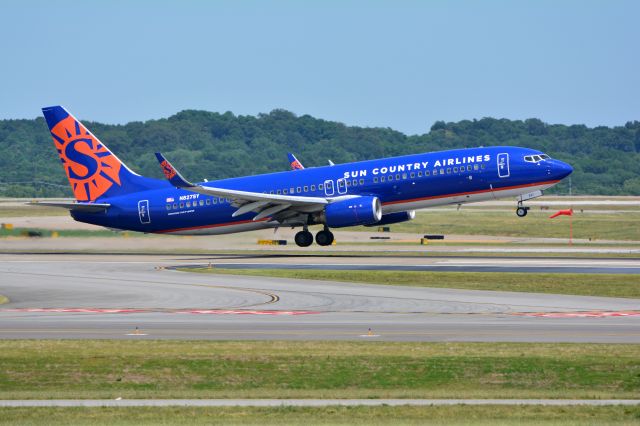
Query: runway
(135,297)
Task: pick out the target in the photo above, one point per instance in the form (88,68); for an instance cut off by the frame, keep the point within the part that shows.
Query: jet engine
(397,217)
(353,211)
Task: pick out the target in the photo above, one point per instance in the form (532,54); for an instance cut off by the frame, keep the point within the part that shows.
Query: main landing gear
(304,238)
(522,211)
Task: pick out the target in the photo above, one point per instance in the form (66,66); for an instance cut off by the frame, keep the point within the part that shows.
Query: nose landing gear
(522,211)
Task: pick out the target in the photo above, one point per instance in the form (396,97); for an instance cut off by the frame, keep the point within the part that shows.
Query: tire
(304,238)
(324,238)
(521,211)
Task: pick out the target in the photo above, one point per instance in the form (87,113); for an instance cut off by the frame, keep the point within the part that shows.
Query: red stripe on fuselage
(506,188)
(435,197)
(217,225)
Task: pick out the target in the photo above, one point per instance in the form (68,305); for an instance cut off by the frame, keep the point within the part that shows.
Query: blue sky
(399,64)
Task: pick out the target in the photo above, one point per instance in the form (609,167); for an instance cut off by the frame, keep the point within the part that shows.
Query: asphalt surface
(302,402)
(137,297)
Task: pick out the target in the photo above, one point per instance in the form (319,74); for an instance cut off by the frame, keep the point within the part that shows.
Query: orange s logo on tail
(90,166)
(167,169)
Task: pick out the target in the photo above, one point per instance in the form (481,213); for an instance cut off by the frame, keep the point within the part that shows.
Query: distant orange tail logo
(167,169)
(89,165)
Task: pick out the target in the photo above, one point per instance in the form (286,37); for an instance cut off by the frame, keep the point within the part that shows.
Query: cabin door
(342,186)
(143,211)
(503,165)
(328,188)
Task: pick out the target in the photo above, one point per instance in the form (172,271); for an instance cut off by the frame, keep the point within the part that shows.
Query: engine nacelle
(353,211)
(397,217)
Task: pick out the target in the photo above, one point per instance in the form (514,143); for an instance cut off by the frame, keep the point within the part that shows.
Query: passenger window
(306,188)
(285,192)
(404,176)
(299,189)
(181,205)
(390,178)
(320,187)
(292,190)
(455,170)
(278,192)
(382,178)
(469,168)
(271,192)
(413,175)
(188,203)
(208,201)
(361,181)
(355,182)
(375,180)
(426,173)
(448,170)
(175,206)
(313,187)
(398,176)
(475,167)
(348,183)
(482,166)
(168,206)
(201,202)
(441,171)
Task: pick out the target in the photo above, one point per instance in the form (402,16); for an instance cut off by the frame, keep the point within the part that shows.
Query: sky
(400,64)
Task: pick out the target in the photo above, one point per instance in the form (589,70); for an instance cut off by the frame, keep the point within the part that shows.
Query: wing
(279,207)
(73,206)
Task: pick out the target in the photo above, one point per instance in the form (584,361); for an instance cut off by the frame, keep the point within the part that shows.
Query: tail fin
(94,172)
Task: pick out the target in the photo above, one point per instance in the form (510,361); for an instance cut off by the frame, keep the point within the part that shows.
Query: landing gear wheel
(522,211)
(304,238)
(324,238)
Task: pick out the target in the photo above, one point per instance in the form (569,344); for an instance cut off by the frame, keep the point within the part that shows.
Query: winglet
(293,161)
(172,174)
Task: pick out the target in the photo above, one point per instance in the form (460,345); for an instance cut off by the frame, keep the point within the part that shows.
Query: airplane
(369,193)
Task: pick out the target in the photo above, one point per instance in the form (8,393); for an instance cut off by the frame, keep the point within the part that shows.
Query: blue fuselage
(401,183)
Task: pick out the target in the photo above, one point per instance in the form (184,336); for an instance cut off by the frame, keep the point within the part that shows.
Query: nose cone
(561,170)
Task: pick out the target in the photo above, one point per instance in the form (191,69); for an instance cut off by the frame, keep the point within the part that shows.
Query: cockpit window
(536,158)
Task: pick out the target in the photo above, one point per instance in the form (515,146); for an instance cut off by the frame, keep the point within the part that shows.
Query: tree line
(213,145)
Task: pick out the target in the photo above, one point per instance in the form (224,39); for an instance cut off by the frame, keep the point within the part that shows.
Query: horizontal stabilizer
(73,206)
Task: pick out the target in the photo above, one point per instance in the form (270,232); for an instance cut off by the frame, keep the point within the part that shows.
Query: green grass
(272,369)
(30,211)
(46,233)
(608,285)
(609,226)
(408,415)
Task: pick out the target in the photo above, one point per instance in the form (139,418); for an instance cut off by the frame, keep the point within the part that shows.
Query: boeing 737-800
(372,192)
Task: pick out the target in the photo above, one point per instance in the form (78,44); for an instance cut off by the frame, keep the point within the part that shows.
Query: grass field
(46,233)
(609,285)
(601,226)
(202,369)
(30,211)
(458,415)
